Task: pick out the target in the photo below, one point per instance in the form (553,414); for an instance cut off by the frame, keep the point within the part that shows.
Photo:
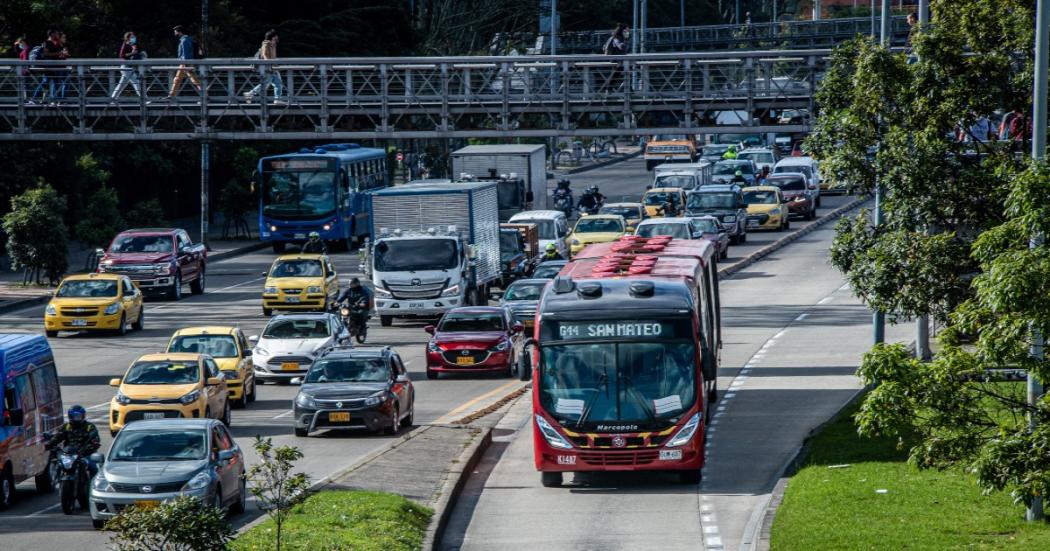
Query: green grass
(839,508)
(345,520)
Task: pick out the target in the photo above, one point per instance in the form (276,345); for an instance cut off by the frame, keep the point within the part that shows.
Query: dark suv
(350,388)
(724,202)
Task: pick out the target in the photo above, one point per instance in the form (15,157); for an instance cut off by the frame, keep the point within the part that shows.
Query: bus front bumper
(655,458)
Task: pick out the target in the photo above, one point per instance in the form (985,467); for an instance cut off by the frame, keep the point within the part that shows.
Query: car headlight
(269,290)
(730,218)
(383,293)
(451,291)
(50,310)
(305,401)
(313,290)
(374,400)
(775,211)
(259,351)
(685,434)
(501,346)
(164,268)
(112,309)
(198,482)
(100,484)
(190,397)
(551,436)
(122,398)
(432,347)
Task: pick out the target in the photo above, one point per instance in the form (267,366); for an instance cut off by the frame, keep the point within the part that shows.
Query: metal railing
(363,98)
(823,33)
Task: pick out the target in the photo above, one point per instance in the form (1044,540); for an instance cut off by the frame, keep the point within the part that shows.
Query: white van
(683,175)
(806,166)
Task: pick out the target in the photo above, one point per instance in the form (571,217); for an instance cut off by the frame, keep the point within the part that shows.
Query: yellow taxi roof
(205,329)
(601,216)
(634,205)
(176,356)
(300,256)
(87,277)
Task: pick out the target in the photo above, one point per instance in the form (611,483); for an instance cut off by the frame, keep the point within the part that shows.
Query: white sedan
(290,343)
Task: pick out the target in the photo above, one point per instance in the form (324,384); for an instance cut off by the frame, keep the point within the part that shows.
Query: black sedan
(352,388)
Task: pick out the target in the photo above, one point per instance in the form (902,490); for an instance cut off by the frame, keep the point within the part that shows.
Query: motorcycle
(355,319)
(73,478)
(563,198)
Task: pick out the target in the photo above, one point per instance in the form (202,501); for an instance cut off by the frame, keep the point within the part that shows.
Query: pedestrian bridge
(425,97)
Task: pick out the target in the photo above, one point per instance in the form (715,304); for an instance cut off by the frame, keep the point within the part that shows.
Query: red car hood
(137,258)
(456,341)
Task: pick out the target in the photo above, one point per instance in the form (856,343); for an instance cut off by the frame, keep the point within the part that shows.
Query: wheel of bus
(386,321)
(278,247)
(525,370)
(197,285)
(7,488)
(45,481)
(138,323)
(551,480)
(690,477)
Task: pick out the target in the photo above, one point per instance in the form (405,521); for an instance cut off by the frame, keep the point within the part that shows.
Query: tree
(36,233)
(275,487)
(182,524)
(147,213)
(101,218)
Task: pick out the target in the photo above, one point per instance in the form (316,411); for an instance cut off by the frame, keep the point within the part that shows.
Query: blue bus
(323,189)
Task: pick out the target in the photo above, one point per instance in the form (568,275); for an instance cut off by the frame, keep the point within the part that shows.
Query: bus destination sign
(300,164)
(585,330)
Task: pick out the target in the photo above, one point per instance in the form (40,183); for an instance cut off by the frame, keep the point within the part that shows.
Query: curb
(24,303)
(780,243)
(602,164)
(453,486)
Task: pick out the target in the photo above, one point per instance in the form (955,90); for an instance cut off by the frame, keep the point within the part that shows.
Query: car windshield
(349,370)
(757,156)
(801,169)
(297,268)
(163,372)
(545,227)
(701,201)
(547,270)
(626,212)
(410,255)
(159,445)
(658,198)
(684,181)
(142,244)
(216,346)
(524,291)
(84,288)
(670,138)
(296,329)
(588,224)
(787,184)
(760,197)
(509,195)
(712,150)
(509,244)
(706,225)
(471,321)
(723,169)
(678,231)
(626,382)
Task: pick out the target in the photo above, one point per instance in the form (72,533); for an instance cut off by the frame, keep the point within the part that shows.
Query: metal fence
(361,98)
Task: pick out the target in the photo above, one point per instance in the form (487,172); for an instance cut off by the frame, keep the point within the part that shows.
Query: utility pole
(1039,98)
(924,12)
(634,28)
(554,27)
(645,25)
(873,19)
(736,13)
(816,10)
(203,36)
(205,178)
(922,323)
(878,318)
(681,13)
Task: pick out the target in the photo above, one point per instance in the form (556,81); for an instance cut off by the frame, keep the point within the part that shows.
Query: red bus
(623,343)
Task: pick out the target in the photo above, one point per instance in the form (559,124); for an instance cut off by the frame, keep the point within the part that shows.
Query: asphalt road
(793,336)
(87,362)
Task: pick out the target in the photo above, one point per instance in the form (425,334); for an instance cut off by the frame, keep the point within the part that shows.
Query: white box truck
(526,161)
(436,247)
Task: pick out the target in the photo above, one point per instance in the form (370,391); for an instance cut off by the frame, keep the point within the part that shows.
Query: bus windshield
(617,382)
(299,194)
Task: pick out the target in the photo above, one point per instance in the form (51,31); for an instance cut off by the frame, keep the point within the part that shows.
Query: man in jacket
(186,53)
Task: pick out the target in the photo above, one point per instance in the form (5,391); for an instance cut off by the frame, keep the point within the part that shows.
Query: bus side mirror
(254,180)
(14,418)
(528,196)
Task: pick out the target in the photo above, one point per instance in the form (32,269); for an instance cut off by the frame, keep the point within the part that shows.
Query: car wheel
(98,524)
(122,328)
(267,312)
(302,433)
(386,321)
(216,500)
(395,423)
(227,418)
(431,374)
(551,480)
(238,506)
(251,397)
(51,334)
(7,488)
(725,253)
(45,481)
(526,368)
(239,403)
(411,417)
(818,201)
(787,224)
(137,326)
(743,238)
(690,477)
(175,292)
(197,285)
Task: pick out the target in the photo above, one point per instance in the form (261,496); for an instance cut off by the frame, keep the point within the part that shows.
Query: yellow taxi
(229,348)
(655,199)
(596,228)
(300,282)
(94,302)
(766,208)
(169,386)
(632,213)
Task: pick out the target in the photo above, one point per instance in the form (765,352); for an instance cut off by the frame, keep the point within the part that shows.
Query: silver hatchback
(158,460)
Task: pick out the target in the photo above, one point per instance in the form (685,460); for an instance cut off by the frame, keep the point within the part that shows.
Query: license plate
(417,305)
(300,236)
(465,360)
(670,455)
(151,504)
(291,299)
(153,415)
(752,223)
(290,366)
(339,417)
(79,323)
(566,459)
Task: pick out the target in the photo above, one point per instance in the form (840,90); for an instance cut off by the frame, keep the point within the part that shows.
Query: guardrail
(361,98)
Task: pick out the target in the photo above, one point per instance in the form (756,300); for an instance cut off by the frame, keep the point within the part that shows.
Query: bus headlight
(326,227)
(686,433)
(553,438)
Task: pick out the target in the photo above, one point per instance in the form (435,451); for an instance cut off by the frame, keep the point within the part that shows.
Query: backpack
(608,49)
(37,53)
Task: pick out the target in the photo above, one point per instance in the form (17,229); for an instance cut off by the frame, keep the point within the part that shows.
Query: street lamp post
(878,318)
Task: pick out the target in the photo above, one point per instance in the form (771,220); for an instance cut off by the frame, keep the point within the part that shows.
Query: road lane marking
(802,316)
(241,284)
(469,403)
(44,510)
(826,300)
(285,414)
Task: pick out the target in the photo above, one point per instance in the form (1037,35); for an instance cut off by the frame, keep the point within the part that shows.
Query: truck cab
(669,148)
(158,260)
(518,251)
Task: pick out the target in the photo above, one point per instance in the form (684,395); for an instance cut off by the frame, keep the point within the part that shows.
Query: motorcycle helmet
(353,281)
(551,248)
(563,183)
(739,173)
(315,235)
(77,415)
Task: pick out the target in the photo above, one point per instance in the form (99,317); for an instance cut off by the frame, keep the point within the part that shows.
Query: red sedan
(797,194)
(476,339)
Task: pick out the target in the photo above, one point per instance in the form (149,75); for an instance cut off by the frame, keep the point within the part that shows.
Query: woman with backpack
(270,75)
(129,49)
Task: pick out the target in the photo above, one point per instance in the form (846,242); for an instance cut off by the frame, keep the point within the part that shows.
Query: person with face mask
(79,433)
(129,49)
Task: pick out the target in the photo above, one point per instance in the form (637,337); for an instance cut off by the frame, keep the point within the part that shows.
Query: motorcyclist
(738,178)
(551,253)
(730,153)
(591,200)
(355,293)
(764,175)
(80,434)
(563,192)
(314,245)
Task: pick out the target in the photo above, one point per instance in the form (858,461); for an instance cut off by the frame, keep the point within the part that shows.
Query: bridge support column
(205,178)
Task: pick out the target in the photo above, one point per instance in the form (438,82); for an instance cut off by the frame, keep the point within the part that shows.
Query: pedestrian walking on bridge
(186,52)
(270,75)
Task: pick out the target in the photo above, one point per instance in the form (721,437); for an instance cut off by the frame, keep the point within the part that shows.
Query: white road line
(98,406)
(44,510)
(802,316)
(285,414)
(241,284)
(778,335)
(826,300)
